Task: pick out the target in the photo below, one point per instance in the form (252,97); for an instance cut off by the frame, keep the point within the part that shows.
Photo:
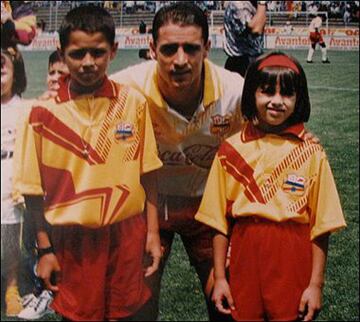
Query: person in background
(13,84)
(144,53)
(18,23)
(56,69)
(272,194)
(244,23)
(316,38)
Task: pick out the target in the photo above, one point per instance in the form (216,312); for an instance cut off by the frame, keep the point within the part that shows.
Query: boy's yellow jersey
(86,155)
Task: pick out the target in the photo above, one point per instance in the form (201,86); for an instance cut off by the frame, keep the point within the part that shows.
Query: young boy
(56,69)
(82,161)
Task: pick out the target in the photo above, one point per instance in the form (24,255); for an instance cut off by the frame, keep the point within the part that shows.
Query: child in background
(13,84)
(56,69)
(85,162)
(273,196)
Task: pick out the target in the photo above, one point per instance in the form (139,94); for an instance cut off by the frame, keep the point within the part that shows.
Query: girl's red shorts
(270,267)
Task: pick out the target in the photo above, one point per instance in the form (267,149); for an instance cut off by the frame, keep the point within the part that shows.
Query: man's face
(180,52)
(56,70)
(87,56)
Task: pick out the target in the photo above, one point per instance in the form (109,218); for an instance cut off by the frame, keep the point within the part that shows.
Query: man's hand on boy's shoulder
(47,95)
(309,136)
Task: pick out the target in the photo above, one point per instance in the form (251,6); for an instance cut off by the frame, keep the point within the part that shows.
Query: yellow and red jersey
(277,177)
(187,147)
(86,154)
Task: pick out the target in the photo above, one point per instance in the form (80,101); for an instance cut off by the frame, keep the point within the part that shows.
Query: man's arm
(153,245)
(47,262)
(257,23)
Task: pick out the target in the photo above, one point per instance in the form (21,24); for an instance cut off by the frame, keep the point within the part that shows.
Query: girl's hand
(310,303)
(48,264)
(222,295)
(153,248)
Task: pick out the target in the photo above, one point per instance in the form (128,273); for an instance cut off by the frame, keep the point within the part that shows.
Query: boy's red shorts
(101,270)
(270,267)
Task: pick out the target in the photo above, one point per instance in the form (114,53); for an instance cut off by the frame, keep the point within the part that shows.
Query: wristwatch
(43,251)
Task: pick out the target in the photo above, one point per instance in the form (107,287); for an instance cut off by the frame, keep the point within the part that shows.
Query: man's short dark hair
(90,19)
(290,82)
(19,82)
(181,13)
(54,58)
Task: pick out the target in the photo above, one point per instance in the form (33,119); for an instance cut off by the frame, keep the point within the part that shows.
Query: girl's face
(273,106)
(7,78)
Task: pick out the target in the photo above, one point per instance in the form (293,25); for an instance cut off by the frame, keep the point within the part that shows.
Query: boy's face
(56,70)
(87,56)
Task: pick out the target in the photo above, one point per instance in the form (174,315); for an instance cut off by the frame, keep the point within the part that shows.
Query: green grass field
(334,92)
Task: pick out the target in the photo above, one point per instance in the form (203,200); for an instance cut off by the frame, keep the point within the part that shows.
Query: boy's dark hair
(54,58)
(19,82)
(90,19)
(290,83)
(181,13)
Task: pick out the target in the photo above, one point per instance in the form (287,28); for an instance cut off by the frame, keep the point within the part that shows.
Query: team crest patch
(124,131)
(294,184)
(220,124)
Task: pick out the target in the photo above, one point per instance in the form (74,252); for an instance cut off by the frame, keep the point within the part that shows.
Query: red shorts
(101,270)
(316,37)
(270,267)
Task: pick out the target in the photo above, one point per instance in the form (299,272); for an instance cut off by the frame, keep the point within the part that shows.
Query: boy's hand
(153,248)
(310,303)
(222,295)
(48,264)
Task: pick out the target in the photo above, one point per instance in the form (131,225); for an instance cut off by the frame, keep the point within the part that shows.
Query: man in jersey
(194,105)
(316,38)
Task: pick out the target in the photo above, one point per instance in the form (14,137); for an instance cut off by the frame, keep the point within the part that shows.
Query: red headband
(279,61)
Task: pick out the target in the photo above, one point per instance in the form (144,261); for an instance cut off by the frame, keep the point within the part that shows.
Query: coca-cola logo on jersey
(198,154)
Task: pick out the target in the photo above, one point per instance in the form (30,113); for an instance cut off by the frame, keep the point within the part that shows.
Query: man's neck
(186,101)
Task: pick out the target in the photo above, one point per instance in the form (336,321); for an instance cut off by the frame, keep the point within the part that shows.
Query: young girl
(272,195)
(13,84)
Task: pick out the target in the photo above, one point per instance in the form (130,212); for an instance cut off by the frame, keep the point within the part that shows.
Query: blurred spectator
(244,23)
(142,27)
(144,53)
(18,23)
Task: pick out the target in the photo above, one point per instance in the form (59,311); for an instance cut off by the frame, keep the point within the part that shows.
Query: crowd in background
(347,10)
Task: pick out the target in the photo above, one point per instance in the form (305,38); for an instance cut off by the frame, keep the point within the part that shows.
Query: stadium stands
(52,12)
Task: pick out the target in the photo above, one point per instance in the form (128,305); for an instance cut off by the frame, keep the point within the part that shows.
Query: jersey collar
(251,132)
(107,89)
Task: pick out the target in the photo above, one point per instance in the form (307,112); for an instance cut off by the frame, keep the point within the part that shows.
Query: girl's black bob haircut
(290,82)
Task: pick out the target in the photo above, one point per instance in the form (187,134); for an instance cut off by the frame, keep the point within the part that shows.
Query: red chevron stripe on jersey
(46,123)
(60,192)
(238,168)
